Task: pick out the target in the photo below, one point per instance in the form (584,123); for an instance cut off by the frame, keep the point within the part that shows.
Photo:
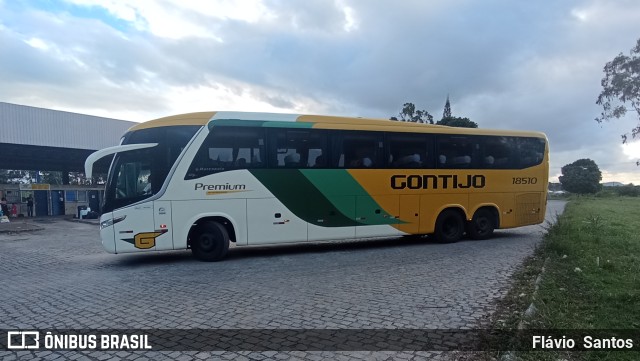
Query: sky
(505,64)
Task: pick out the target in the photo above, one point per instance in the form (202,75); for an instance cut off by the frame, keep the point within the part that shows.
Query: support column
(65,176)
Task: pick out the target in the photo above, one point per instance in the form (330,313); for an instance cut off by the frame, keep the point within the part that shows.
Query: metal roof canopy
(44,139)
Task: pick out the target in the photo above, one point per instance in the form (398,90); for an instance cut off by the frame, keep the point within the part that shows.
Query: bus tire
(449,226)
(482,224)
(211,242)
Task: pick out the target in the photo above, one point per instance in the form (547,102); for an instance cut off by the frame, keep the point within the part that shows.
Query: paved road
(61,278)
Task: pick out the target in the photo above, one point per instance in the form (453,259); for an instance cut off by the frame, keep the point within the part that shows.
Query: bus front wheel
(449,226)
(211,242)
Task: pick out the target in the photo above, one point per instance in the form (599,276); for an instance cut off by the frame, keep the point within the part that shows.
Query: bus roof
(319,122)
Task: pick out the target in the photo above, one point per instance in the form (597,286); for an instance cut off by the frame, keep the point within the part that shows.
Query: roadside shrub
(607,192)
(629,190)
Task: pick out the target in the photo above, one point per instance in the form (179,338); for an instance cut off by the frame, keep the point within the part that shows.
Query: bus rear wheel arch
(483,223)
(450,226)
(209,240)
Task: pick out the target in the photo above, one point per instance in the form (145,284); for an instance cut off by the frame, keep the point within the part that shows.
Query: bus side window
(409,150)
(455,151)
(228,148)
(531,151)
(356,149)
(497,152)
(296,148)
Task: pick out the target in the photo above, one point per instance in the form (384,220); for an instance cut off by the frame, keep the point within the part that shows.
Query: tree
(621,87)
(449,120)
(582,176)
(447,109)
(51,177)
(10,176)
(410,114)
(457,122)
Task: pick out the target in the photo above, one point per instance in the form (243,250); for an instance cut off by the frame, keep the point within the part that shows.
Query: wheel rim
(483,225)
(451,228)
(207,242)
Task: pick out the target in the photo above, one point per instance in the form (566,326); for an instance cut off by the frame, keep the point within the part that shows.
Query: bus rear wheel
(449,226)
(211,242)
(482,224)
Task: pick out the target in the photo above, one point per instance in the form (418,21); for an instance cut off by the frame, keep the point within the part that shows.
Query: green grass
(592,277)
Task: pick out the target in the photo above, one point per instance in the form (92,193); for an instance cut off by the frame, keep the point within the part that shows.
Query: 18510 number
(524,180)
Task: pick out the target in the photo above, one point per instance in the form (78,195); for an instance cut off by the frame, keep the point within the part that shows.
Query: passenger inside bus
(362,159)
(408,159)
(292,160)
(319,162)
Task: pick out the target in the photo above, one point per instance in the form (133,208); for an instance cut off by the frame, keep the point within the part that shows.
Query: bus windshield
(139,174)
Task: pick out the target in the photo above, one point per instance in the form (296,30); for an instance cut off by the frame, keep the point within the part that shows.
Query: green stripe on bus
(336,184)
(302,198)
(324,197)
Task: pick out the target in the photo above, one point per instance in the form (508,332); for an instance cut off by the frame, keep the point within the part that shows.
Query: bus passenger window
(228,148)
(362,159)
(296,148)
(409,150)
(354,149)
(531,151)
(497,152)
(455,151)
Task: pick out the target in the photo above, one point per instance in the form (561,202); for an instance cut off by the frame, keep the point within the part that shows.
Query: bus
(202,180)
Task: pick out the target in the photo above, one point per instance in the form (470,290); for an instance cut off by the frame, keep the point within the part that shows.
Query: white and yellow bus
(203,180)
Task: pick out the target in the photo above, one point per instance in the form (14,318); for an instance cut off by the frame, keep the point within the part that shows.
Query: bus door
(134,226)
(133,178)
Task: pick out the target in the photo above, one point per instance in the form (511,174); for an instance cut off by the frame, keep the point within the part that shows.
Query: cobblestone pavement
(61,278)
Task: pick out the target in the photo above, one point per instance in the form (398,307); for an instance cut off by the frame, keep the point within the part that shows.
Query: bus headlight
(111,222)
